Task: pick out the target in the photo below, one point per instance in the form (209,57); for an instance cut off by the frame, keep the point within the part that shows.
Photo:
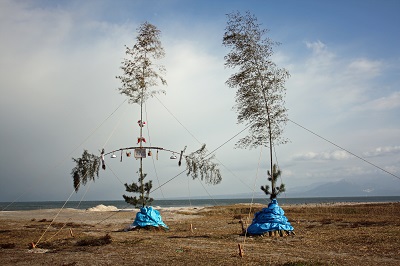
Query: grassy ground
(357,234)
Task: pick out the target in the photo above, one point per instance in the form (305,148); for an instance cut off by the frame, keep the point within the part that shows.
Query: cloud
(58,83)
(381,104)
(365,68)
(382,151)
(326,155)
(317,47)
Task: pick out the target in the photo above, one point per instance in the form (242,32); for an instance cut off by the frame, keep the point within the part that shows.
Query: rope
(91,134)
(207,191)
(152,158)
(58,213)
(13,202)
(108,217)
(94,131)
(128,205)
(190,202)
(169,180)
(210,153)
(252,198)
(177,119)
(79,203)
(277,164)
(355,155)
(66,157)
(201,143)
(112,132)
(108,167)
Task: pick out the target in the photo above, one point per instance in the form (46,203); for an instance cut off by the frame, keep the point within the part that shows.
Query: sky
(59,95)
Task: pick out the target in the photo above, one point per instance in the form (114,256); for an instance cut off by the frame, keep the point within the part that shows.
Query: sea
(170,203)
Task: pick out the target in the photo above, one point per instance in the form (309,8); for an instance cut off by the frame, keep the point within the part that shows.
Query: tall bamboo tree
(138,81)
(140,75)
(260,86)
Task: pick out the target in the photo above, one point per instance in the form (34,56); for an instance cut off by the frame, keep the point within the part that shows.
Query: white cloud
(382,151)
(365,68)
(389,102)
(325,155)
(58,84)
(317,47)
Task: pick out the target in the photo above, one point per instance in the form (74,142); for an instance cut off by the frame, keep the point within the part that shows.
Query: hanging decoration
(141,123)
(103,163)
(128,154)
(140,153)
(141,140)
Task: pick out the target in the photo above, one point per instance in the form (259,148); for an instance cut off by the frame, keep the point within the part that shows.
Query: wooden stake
(191,228)
(241,252)
(33,245)
(70,232)
(243,226)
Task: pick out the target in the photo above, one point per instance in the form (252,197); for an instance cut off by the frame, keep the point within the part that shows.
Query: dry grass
(364,234)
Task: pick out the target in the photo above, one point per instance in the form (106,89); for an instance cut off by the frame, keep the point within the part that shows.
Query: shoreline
(112,208)
(101,208)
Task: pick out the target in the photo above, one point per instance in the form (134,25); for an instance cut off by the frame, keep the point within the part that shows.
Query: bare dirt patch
(357,234)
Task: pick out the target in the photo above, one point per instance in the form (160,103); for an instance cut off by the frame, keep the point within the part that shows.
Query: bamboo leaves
(140,72)
(260,94)
(259,82)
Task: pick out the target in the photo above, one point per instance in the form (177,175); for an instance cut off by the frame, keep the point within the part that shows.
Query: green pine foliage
(199,164)
(86,169)
(143,189)
(274,179)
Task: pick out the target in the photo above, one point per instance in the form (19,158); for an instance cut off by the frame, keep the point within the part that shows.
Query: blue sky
(59,60)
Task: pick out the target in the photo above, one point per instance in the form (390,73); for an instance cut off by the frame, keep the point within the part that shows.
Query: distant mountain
(341,188)
(344,188)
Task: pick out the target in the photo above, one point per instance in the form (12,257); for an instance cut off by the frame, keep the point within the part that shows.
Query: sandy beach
(326,234)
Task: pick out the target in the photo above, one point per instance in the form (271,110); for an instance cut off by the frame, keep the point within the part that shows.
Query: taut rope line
(210,153)
(355,155)
(252,198)
(64,159)
(176,119)
(112,132)
(58,213)
(94,131)
(77,206)
(152,158)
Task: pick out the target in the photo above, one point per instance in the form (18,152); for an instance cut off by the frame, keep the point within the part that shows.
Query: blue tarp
(269,219)
(147,216)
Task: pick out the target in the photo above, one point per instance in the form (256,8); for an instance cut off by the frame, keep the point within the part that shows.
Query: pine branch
(86,169)
(198,165)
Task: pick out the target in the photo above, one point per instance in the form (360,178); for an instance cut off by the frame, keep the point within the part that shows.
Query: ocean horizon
(169,203)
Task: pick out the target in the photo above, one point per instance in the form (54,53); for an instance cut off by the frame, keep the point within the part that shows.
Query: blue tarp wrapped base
(270,219)
(147,216)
